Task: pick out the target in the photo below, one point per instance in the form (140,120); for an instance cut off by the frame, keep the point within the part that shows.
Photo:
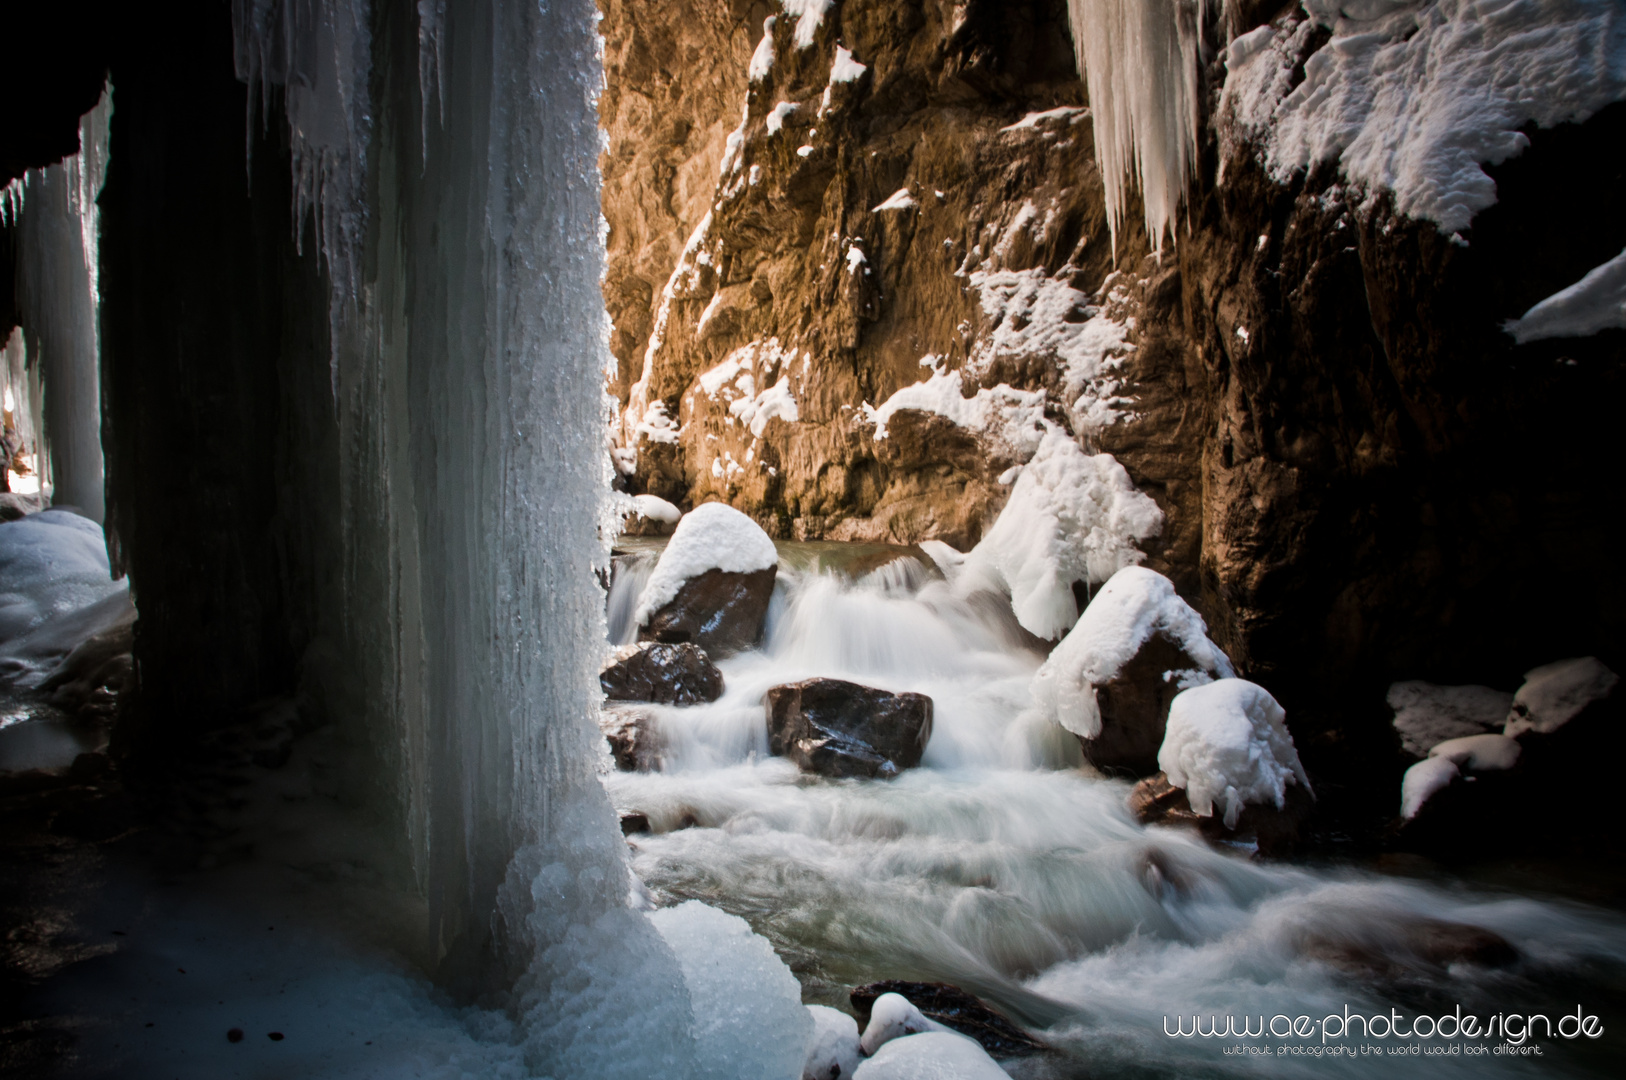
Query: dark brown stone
(954,1008)
(1135,708)
(634,823)
(1275,832)
(680,674)
(838,728)
(722,611)
(1417,945)
(635,739)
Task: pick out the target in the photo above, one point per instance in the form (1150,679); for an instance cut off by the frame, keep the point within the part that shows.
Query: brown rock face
(1155,801)
(635,741)
(837,728)
(679,674)
(720,610)
(1135,708)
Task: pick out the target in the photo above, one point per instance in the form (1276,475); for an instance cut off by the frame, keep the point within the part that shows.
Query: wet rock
(668,674)
(838,728)
(634,736)
(953,1008)
(1135,708)
(722,611)
(1276,832)
(633,823)
(1409,949)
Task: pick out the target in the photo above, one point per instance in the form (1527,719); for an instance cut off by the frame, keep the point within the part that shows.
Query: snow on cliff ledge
(711,537)
(1414,96)
(1132,606)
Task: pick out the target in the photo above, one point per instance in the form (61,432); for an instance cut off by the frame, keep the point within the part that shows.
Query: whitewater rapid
(1005,866)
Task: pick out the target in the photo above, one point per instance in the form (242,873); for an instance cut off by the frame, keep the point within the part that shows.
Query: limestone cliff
(815,207)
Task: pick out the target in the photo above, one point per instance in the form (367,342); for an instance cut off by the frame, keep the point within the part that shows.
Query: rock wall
(1363,477)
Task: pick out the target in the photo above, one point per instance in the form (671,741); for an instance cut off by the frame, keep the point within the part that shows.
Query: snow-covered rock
(1423,780)
(1071,517)
(931,1055)
(56,591)
(1113,677)
(1426,714)
(833,1053)
(1479,753)
(893,1016)
(712,583)
(748,1014)
(1227,742)
(1554,694)
(1597,302)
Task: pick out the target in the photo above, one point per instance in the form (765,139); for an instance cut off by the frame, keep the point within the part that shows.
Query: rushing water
(1003,866)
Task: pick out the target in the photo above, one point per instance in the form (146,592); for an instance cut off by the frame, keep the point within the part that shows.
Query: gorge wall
(1363,477)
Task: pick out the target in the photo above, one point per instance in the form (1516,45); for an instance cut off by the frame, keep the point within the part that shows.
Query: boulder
(722,611)
(1274,831)
(953,1008)
(679,674)
(634,736)
(1134,707)
(837,728)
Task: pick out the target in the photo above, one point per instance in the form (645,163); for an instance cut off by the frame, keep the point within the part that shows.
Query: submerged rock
(1415,945)
(669,674)
(953,1008)
(634,736)
(838,728)
(1273,830)
(722,611)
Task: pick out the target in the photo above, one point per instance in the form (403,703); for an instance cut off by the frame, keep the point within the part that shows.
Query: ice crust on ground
(1413,97)
(1071,517)
(1597,302)
(931,1055)
(714,536)
(1227,742)
(749,1020)
(1426,714)
(1479,753)
(1423,780)
(1139,59)
(833,1051)
(1554,694)
(55,592)
(1133,605)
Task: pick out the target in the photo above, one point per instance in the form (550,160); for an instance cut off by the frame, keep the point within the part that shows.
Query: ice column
(57,228)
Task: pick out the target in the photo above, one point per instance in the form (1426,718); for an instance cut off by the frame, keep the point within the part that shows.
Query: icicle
(1139,59)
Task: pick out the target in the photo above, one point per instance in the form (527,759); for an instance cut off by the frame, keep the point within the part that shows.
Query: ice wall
(469,365)
(1139,60)
(57,298)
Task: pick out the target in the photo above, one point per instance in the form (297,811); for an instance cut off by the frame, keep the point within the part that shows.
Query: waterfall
(59,389)
(470,352)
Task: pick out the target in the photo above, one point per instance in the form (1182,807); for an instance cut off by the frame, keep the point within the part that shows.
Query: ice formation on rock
(1134,604)
(1071,517)
(55,591)
(1412,97)
(1139,60)
(1554,694)
(1227,743)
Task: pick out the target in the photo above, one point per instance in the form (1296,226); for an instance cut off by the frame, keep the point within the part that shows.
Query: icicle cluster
(1139,59)
(59,386)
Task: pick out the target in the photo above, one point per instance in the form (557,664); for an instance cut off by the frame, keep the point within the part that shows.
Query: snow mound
(1596,302)
(749,1020)
(1421,782)
(1012,420)
(1413,97)
(655,508)
(1228,742)
(833,1053)
(894,1016)
(1554,694)
(1071,517)
(55,591)
(1426,714)
(931,1055)
(1480,753)
(711,537)
(1134,604)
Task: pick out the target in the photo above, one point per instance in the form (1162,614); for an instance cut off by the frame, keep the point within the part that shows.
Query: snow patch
(714,536)
(1227,742)
(776,118)
(1013,420)
(833,1052)
(655,508)
(809,16)
(931,1055)
(762,58)
(1414,97)
(1133,605)
(845,69)
(1480,753)
(900,199)
(1596,302)
(1423,780)
(1070,114)
(1426,714)
(1071,517)
(1554,694)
